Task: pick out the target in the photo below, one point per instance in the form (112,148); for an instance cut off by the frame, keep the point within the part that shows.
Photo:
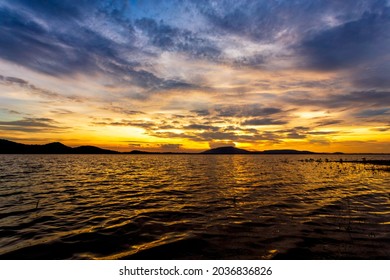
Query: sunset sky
(193,75)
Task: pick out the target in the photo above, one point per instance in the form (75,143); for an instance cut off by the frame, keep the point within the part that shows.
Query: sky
(192,75)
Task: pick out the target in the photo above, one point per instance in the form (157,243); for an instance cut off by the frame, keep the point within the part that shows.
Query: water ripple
(192,207)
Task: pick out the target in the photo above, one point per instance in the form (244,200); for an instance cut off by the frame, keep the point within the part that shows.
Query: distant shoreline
(10,147)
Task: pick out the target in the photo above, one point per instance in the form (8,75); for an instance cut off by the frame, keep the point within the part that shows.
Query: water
(193,207)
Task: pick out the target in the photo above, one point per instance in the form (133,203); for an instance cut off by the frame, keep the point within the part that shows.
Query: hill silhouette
(9,147)
(290,152)
(229,150)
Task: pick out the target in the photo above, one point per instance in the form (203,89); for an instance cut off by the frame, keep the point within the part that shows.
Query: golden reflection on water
(227,206)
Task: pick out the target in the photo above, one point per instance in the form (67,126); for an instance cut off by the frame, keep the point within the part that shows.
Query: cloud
(48,94)
(123,122)
(322,132)
(382,129)
(251,110)
(350,44)
(217,144)
(170,146)
(26,41)
(375,76)
(62,112)
(201,127)
(373,113)
(121,110)
(201,112)
(263,121)
(169,38)
(328,122)
(31,125)
(350,100)
(9,111)
(295,135)
(55,8)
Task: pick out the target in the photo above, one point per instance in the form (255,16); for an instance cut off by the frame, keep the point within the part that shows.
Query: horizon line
(139,151)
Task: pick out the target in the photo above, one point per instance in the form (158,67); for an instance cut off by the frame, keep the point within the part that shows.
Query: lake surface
(193,207)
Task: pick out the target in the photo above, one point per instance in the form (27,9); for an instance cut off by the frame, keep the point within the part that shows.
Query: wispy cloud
(32,89)
(31,125)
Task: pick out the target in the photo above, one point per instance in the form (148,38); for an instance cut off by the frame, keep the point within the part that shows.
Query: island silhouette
(10,147)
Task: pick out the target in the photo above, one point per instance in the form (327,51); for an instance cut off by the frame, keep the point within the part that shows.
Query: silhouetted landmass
(92,150)
(138,152)
(9,147)
(291,152)
(232,150)
(51,148)
(227,150)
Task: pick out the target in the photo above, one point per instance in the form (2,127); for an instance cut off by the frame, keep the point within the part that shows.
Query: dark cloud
(121,110)
(375,76)
(31,125)
(351,100)
(373,113)
(26,41)
(372,97)
(135,123)
(265,20)
(54,8)
(149,82)
(149,126)
(201,127)
(309,84)
(328,122)
(256,61)
(173,39)
(322,132)
(245,111)
(170,146)
(350,44)
(251,19)
(241,130)
(263,121)
(382,129)
(201,112)
(300,132)
(295,135)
